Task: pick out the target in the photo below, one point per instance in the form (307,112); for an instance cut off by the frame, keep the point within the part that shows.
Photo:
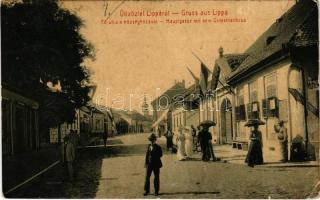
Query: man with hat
(283,139)
(204,138)
(153,164)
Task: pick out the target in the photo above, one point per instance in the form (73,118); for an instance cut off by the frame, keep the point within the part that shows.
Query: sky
(137,60)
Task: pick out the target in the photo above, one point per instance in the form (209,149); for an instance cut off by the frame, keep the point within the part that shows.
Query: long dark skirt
(206,153)
(284,151)
(254,156)
(169,142)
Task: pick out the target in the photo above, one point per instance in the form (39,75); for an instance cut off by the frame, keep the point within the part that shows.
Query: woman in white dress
(181,146)
(189,141)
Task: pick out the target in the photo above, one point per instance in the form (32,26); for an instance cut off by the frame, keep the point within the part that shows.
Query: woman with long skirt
(254,156)
(189,141)
(181,146)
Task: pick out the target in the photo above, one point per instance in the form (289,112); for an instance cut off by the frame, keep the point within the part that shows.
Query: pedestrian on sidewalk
(205,138)
(74,139)
(181,144)
(105,137)
(153,164)
(194,137)
(254,156)
(189,141)
(283,139)
(169,137)
(70,156)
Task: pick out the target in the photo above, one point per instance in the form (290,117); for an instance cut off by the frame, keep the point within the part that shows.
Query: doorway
(226,122)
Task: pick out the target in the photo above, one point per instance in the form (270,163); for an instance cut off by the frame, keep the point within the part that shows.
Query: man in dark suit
(153,164)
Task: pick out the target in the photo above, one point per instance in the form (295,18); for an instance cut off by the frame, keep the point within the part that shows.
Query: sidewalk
(20,167)
(237,156)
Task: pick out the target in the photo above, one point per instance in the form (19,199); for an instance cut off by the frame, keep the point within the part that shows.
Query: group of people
(187,140)
(69,152)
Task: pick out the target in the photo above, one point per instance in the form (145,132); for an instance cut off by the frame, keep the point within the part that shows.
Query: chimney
(221,52)
(183,83)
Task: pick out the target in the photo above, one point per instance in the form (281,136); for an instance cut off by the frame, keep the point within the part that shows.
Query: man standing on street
(169,137)
(70,156)
(205,138)
(153,164)
(283,139)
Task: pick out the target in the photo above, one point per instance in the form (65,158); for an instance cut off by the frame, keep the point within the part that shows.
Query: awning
(163,115)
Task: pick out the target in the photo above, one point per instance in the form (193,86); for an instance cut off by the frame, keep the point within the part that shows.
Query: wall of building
(65,129)
(97,124)
(20,126)
(211,109)
(178,119)
(271,145)
(192,118)
(182,117)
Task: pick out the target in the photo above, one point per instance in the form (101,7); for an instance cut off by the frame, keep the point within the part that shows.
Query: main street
(118,172)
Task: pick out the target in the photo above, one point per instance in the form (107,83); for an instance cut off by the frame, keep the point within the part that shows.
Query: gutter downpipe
(306,140)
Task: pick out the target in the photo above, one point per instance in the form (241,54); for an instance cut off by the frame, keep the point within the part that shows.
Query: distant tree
(41,44)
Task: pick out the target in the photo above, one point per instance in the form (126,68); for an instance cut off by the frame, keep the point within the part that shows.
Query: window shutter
(242,111)
(249,109)
(277,107)
(237,109)
(255,110)
(214,115)
(265,108)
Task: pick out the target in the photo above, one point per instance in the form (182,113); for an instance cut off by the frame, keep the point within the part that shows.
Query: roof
(130,115)
(228,63)
(177,89)
(279,33)
(138,116)
(234,60)
(307,34)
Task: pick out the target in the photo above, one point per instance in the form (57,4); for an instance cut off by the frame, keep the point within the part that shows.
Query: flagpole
(225,87)
(217,116)
(201,61)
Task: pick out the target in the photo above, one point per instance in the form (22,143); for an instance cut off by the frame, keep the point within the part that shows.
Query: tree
(41,43)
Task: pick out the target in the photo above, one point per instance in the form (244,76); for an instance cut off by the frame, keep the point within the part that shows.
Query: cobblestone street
(118,172)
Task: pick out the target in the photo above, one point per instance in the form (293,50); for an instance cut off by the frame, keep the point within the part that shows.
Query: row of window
(177,120)
(270,88)
(252,109)
(270,108)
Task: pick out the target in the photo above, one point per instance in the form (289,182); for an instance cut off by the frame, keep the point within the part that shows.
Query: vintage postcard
(173,99)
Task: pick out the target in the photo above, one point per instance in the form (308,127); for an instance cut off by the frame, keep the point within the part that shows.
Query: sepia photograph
(164,99)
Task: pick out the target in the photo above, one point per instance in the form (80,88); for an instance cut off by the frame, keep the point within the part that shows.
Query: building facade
(163,106)
(20,126)
(276,78)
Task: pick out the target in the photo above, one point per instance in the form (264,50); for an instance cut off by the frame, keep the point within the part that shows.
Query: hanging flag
(204,73)
(215,77)
(196,79)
